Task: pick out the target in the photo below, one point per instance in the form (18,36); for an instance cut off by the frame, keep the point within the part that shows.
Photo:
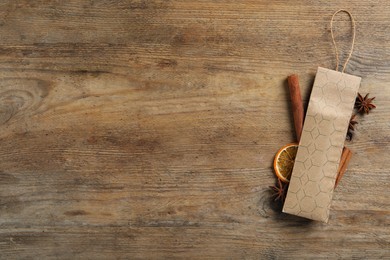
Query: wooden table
(147,129)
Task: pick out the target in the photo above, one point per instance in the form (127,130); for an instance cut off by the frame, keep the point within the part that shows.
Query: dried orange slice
(284,161)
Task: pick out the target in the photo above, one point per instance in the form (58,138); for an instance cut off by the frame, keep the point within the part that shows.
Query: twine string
(334,41)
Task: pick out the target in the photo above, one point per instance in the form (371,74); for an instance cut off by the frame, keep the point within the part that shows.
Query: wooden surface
(147,129)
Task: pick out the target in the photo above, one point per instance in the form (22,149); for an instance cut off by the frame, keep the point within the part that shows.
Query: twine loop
(334,41)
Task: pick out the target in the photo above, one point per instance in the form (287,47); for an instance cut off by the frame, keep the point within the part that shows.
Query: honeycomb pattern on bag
(326,124)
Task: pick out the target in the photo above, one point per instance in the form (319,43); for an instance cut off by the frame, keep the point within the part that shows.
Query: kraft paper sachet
(326,124)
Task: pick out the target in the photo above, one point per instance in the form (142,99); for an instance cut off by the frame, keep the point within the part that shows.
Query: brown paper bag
(321,144)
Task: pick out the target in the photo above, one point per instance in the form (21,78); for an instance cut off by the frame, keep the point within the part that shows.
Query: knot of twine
(334,42)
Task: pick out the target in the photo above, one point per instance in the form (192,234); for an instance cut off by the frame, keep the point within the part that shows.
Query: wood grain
(147,129)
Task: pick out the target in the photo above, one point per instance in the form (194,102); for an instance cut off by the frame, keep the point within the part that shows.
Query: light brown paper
(326,124)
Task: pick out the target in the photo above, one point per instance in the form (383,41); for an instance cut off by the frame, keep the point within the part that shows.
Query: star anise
(352,123)
(351,127)
(349,135)
(279,190)
(363,104)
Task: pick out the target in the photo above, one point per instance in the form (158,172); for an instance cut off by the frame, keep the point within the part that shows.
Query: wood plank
(147,129)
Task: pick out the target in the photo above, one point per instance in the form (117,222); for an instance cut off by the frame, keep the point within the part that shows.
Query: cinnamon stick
(297,105)
(344,161)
